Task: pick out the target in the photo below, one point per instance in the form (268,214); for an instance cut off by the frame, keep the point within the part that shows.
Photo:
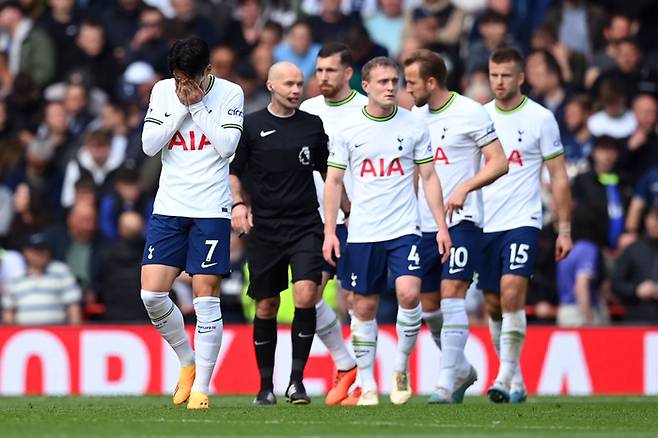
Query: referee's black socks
(265,346)
(303,331)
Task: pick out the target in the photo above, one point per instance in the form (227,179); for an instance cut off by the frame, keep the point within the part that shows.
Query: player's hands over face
(241,219)
(456,201)
(444,243)
(330,247)
(563,246)
(188,91)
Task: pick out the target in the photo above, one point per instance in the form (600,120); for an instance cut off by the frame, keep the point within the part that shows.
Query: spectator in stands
(331,23)
(12,266)
(61,21)
(121,20)
(603,189)
(299,48)
(31,214)
(476,86)
(96,160)
(46,293)
(576,138)
(54,132)
(573,65)
(642,145)
(580,275)
(76,105)
(188,21)
(386,25)
(635,277)
(579,24)
(493,28)
(255,97)
(646,194)
(244,33)
(261,58)
(149,43)
(223,60)
(6,211)
(618,27)
(30,49)
(127,196)
(449,19)
(614,119)
(117,283)
(544,76)
(272,34)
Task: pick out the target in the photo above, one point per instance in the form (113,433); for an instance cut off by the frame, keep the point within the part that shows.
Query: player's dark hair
(430,65)
(337,48)
(379,61)
(190,56)
(508,54)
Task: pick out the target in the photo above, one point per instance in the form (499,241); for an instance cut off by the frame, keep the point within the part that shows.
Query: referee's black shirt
(280,155)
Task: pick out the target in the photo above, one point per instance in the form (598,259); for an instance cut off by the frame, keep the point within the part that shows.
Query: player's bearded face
(416,86)
(331,75)
(382,86)
(505,80)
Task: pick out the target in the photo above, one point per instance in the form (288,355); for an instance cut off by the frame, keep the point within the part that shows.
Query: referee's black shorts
(274,245)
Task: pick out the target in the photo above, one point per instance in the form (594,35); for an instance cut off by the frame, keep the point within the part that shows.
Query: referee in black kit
(280,148)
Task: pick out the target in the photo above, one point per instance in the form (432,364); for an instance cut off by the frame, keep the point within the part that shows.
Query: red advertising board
(105,360)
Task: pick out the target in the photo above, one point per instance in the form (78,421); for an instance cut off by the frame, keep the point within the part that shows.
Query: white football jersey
(458,130)
(333,118)
(194,177)
(529,135)
(381,153)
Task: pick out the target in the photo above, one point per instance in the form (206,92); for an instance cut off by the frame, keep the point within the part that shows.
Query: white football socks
(207,340)
(168,321)
(495,328)
(512,335)
(328,329)
(364,341)
(453,340)
(434,321)
(407,326)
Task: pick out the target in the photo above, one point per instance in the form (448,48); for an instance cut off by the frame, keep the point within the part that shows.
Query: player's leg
(329,330)
(367,274)
(208,260)
(456,373)
(519,250)
(268,275)
(306,265)
(162,262)
(430,292)
(405,266)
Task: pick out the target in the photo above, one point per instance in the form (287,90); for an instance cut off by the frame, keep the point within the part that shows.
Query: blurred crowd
(76,189)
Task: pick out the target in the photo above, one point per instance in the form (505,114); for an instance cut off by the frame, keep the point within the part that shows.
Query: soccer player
(195,119)
(280,149)
(462,133)
(513,214)
(333,72)
(381,148)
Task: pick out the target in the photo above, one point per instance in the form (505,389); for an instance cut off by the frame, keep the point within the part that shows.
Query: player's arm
(434,196)
(241,218)
(223,129)
(495,166)
(333,187)
(562,201)
(161,122)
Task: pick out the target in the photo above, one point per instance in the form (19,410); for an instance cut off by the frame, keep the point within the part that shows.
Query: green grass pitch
(627,417)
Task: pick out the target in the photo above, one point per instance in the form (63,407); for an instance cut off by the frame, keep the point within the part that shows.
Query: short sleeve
(587,259)
(232,114)
(423,148)
(550,142)
(483,132)
(339,155)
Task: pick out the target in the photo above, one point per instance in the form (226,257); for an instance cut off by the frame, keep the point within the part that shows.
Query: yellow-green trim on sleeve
(424,160)
(553,155)
(336,165)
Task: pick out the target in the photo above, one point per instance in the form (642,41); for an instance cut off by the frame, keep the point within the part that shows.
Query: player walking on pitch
(513,214)
(381,148)
(333,72)
(195,119)
(462,133)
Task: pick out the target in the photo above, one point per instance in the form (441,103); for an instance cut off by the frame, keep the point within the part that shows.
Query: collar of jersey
(211,82)
(380,119)
(341,102)
(445,105)
(513,110)
(608,179)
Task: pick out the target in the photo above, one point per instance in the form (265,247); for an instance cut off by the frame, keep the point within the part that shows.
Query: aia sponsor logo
(188,143)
